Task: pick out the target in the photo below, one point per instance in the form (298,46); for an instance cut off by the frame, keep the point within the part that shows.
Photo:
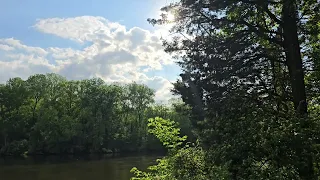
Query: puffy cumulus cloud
(23,67)
(16,44)
(114,53)
(105,35)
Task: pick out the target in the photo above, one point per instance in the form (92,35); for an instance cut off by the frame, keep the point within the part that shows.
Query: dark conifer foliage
(250,74)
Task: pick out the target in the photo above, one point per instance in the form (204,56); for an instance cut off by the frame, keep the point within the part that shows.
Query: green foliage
(248,70)
(49,114)
(16,147)
(183,162)
(166,132)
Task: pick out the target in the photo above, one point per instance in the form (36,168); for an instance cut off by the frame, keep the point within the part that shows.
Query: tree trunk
(294,63)
(293,55)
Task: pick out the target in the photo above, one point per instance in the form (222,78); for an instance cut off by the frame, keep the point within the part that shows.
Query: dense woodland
(251,75)
(47,114)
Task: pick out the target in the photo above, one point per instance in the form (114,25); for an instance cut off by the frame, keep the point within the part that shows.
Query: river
(92,167)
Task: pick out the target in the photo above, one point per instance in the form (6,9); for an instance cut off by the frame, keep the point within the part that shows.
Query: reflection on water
(73,168)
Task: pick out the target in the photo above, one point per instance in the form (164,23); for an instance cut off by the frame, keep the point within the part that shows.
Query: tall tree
(138,98)
(243,70)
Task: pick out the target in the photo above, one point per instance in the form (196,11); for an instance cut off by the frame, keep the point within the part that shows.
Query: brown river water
(94,167)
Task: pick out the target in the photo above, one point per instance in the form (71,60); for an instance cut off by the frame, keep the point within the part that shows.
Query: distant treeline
(47,114)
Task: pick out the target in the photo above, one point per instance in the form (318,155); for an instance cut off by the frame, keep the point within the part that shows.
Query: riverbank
(100,153)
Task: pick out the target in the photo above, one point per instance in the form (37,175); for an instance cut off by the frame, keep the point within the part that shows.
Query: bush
(15,148)
(184,162)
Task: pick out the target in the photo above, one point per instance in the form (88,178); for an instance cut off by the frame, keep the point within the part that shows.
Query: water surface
(73,168)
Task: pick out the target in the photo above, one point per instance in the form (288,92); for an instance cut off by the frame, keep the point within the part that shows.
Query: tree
(138,98)
(48,114)
(37,86)
(14,114)
(268,23)
(242,73)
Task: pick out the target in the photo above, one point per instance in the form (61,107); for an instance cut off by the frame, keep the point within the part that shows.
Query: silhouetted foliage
(250,69)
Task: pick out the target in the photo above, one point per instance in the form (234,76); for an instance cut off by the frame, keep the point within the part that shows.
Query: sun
(170,17)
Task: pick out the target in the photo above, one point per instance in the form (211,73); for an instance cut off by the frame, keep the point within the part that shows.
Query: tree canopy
(47,114)
(250,76)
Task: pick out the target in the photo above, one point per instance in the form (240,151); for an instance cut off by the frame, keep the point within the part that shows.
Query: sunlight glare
(170,17)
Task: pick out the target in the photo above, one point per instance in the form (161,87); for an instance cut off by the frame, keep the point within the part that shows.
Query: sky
(81,39)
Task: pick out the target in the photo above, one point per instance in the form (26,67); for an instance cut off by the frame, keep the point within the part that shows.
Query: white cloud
(115,54)
(5,47)
(21,68)
(16,44)
(162,86)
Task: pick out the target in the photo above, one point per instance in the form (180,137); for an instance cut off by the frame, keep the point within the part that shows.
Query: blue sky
(82,39)
(17,16)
